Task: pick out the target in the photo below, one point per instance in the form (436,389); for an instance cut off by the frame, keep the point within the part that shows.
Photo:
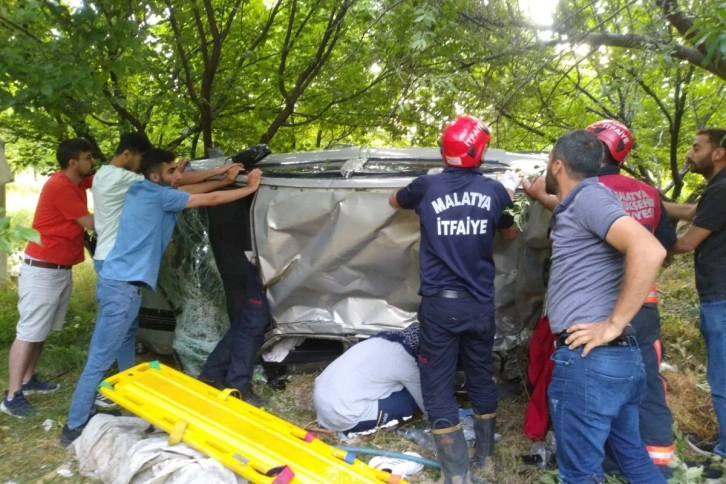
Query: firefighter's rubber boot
(453,455)
(482,465)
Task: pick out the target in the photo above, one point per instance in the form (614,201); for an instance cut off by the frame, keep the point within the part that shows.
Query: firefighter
(460,211)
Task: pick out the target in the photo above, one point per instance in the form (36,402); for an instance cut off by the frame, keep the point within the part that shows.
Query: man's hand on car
(511,181)
(253,178)
(536,188)
(232,172)
(222,170)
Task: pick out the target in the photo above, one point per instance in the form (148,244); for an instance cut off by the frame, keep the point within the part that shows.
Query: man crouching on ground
(147,222)
(603,265)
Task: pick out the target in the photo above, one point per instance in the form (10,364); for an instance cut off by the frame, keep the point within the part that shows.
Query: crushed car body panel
(338,262)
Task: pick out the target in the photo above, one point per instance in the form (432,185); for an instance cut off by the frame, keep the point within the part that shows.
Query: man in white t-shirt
(110,185)
(374,384)
(108,197)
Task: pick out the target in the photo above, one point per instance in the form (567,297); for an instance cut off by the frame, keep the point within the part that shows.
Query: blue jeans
(713,328)
(594,404)
(118,307)
(397,406)
(126,357)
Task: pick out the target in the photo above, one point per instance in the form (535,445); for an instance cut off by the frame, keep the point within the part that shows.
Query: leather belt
(450,294)
(619,341)
(45,265)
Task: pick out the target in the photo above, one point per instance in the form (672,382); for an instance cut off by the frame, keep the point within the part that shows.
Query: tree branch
(679,51)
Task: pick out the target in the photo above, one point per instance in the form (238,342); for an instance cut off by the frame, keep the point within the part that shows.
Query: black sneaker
(700,446)
(218,384)
(114,412)
(18,407)
(68,435)
(252,398)
(36,385)
(709,473)
(712,474)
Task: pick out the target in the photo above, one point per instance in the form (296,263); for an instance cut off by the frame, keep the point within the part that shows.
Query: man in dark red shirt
(45,282)
(642,202)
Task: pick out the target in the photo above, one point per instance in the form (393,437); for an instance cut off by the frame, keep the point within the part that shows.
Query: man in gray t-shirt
(603,266)
(584,266)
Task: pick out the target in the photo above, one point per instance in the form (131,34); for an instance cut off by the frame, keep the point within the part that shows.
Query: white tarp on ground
(117,451)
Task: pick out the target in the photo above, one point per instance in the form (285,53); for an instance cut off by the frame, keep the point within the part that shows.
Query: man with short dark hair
(642,202)
(45,282)
(147,222)
(707,237)
(110,185)
(603,266)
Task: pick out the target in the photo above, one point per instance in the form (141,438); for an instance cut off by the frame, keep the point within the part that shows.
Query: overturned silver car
(338,264)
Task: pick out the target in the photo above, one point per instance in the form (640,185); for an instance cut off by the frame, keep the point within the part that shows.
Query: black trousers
(453,329)
(232,361)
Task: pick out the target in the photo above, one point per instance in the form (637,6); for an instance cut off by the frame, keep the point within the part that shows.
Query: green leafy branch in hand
(519,210)
(12,237)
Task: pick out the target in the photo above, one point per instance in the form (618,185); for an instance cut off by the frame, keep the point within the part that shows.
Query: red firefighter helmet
(615,136)
(464,142)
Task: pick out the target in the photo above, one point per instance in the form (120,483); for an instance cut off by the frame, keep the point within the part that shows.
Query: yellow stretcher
(253,443)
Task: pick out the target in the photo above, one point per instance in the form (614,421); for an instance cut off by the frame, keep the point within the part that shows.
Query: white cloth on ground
(114,450)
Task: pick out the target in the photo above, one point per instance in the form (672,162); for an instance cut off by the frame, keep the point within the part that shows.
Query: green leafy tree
(12,237)
(309,75)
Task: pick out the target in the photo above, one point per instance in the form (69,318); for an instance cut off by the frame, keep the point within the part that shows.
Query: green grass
(28,452)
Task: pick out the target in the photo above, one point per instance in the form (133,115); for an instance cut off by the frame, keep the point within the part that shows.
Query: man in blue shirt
(460,211)
(147,222)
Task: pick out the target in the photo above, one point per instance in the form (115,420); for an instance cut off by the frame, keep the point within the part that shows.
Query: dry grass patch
(691,404)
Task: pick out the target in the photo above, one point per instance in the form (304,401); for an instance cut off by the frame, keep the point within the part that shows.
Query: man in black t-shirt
(707,236)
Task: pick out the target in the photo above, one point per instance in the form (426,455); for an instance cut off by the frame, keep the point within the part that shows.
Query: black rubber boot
(482,465)
(453,455)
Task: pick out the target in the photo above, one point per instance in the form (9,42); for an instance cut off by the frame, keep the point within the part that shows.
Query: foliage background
(302,75)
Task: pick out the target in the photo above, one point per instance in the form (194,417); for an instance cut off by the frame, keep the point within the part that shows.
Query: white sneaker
(398,466)
(104,402)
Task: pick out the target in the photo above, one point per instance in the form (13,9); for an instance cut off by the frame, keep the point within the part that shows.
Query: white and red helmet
(615,136)
(464,142)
